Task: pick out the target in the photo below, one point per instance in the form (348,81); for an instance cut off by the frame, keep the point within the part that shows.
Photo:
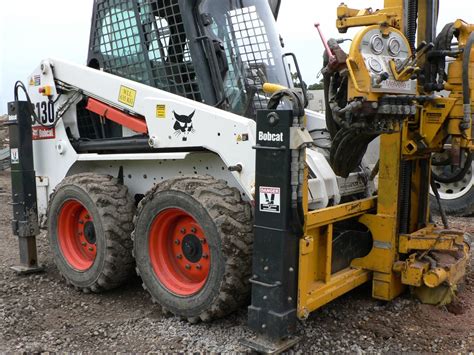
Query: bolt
(205,256)
(264,326)
(84,244)
(179,256)
(198,266)
(193,230)
(265,268)
(290,299)
(291,269)
(265,297)
(91,249)
(188,267)
(183,230)
(177,242)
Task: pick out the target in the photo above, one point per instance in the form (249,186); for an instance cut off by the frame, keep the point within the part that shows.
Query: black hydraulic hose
(20,85)
(405,193)
(458,175)
(466,87)
(434,187)
(411,23)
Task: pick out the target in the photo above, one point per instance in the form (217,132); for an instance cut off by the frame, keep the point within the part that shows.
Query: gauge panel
(378,50)
(377,44)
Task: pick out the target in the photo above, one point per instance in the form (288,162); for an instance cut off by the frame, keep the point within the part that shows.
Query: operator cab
(212,51)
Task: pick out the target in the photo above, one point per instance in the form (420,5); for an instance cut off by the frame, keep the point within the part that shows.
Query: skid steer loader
(184,150)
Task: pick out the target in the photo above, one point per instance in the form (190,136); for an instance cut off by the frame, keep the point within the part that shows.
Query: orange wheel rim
(76,235)
(179,252)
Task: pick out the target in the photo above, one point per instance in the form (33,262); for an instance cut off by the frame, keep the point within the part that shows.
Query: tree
(317,86)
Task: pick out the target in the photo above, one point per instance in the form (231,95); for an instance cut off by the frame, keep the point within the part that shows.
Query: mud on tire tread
(233,220)
(116,210)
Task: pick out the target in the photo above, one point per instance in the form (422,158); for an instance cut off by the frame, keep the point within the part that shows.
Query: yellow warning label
(161,111)
(127,96)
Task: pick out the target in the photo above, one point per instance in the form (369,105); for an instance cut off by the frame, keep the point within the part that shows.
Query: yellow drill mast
(387,79)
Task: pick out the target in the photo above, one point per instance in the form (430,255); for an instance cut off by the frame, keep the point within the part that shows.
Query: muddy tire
(192,245)
(90,220)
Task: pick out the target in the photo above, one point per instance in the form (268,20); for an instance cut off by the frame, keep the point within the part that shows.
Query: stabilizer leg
(23,177)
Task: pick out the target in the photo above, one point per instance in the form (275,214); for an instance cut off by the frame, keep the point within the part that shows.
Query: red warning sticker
(41,133)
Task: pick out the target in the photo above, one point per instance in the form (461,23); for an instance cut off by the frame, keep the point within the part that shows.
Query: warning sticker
(161,111)
(14,156)
(270,199)
(127,96)
(40,133)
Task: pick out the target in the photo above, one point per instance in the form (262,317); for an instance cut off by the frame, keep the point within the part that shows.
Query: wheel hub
(192,248)
(89,232)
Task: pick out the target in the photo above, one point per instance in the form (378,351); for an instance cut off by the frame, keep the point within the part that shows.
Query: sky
(32,30)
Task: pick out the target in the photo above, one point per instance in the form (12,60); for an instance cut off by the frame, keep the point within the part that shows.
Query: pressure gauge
(394,47)
(376,43)
(375,65)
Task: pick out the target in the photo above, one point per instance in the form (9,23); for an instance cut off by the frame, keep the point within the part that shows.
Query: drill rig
(387,86)
(184,131)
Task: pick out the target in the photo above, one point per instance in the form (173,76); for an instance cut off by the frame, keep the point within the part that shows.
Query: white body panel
(220,133)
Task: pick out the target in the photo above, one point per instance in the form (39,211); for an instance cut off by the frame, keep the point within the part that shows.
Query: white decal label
(270,137)
(270,199)
(15,158)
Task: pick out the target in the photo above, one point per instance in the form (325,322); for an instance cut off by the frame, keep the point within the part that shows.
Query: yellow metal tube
(435,277)
(269,88)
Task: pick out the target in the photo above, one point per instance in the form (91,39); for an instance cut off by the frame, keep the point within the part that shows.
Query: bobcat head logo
(183,125)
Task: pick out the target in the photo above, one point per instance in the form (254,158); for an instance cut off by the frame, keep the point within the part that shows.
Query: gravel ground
(39,313)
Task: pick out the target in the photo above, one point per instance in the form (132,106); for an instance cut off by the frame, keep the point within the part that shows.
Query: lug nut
(87,216)
(183,230)
(188,267)
(177,242)
(193,230)
(84,244)
(179,256)
(198,266)
(91,249)
(203,241)
(81,221)
(205,256)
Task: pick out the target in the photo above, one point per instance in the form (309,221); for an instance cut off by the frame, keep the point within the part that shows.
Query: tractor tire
(90,220)
(193,244)
(457,198)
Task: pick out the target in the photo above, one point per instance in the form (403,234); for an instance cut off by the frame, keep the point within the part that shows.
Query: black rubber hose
(411,23)
(458,175)
(405,193)
(348,150)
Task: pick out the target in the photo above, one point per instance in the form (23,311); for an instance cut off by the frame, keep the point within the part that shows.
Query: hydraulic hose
(411,23)
(458,174)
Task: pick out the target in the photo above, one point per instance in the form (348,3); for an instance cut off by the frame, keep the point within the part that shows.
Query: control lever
(332,57)
(407,68)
